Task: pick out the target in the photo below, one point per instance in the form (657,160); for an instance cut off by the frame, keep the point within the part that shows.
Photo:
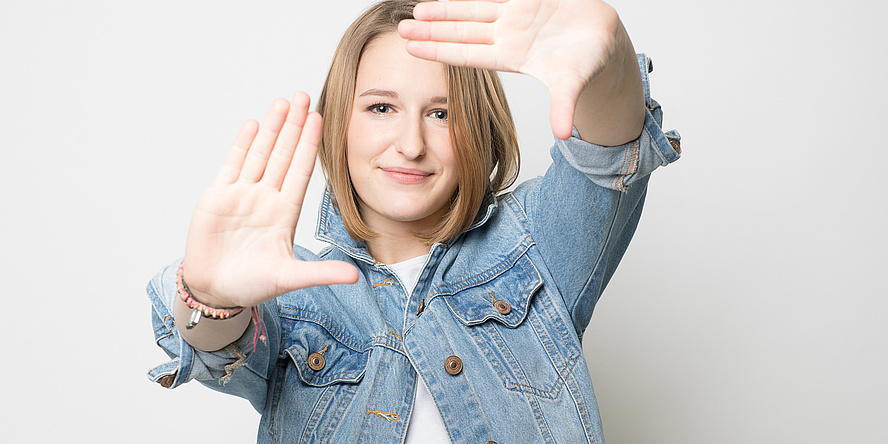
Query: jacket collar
(331,228)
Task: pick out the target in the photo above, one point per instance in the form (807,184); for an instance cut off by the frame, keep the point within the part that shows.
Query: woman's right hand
(239,250)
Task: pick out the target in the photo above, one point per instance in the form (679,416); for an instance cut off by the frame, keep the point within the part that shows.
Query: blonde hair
(481,129)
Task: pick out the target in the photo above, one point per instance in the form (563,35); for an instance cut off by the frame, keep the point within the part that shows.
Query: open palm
(563,43)
(239,247)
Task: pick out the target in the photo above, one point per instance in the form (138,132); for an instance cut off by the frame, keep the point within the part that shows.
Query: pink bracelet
(198,309)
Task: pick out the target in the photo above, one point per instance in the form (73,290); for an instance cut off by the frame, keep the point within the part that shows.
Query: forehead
(386,64)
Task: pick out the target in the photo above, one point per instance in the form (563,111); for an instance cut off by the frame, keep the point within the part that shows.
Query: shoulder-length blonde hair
(481,129)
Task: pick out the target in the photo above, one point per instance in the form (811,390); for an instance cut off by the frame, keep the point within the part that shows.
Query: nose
(411,138)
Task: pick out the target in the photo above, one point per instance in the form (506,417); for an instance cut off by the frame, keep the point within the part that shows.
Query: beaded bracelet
(198,309)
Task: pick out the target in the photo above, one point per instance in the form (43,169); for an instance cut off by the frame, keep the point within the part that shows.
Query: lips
(406,175)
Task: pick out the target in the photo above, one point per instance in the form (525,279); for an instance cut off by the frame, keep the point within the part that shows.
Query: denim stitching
(275,398)
(541,332)
(561,365)
(601,253)
(617,183)
(632,166)
(520,302)
(483,344)
(329,379)
(488,275)
(365,424)
(518,372)
(324,227)
(541,422)
(486,335)
(335,418)
(355,345)
(517,208)
(387,341)
(390,346)
(555,321)
(582,411)
(311,424)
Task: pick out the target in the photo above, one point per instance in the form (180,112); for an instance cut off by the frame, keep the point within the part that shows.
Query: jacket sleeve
(583,212)
(237,369)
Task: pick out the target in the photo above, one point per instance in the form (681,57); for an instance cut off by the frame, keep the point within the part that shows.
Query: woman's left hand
(566,44)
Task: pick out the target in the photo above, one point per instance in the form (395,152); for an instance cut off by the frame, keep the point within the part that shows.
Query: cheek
(365,139)
(356,150)
(447,156)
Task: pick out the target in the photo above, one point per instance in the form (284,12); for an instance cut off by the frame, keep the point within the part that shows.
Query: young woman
(444,310)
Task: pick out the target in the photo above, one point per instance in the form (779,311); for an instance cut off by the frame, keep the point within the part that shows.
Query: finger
(562,108)
(299,173)
(285,145)
(235,160)
(462,32)
(257,156)
(458,54)
(300,274)
(458,10)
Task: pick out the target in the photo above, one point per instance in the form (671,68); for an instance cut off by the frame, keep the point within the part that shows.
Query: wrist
(201,309)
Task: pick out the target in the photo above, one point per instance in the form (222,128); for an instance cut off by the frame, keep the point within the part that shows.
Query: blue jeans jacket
(493,327)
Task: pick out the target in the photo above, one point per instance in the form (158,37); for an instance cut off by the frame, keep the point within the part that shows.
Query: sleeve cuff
(617,167)
(188,363)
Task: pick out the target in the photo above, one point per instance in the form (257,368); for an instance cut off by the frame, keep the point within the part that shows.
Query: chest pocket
(321,358)
(515,322)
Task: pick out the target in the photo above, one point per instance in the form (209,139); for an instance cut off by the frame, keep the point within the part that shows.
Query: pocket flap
(515,286)
(321,359)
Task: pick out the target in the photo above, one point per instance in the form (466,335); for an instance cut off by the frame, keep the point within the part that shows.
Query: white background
(750,307)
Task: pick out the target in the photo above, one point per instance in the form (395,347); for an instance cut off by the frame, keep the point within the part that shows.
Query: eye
(440,114)
(380,108)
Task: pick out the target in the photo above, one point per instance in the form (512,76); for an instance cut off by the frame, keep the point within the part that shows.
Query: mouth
(406,175)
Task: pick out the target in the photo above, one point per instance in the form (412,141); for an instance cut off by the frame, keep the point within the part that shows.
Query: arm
(235,369)
(599,192)
(610,109)
(239,246)
(583,212)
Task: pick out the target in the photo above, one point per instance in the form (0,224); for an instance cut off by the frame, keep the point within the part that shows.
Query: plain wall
(750,307)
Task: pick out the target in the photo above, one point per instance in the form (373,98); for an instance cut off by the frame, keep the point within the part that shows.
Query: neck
(391,249)
(395,241)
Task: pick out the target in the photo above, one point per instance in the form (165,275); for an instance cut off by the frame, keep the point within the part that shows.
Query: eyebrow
(440,100)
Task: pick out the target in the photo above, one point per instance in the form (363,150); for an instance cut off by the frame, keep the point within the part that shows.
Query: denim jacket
(493,327)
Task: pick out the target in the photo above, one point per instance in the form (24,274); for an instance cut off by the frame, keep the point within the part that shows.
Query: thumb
(563,97)
(302,274)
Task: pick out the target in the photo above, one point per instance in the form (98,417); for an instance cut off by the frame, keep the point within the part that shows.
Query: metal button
(503,307)
(453,365)
(316,361)
(490,442)
(166,381)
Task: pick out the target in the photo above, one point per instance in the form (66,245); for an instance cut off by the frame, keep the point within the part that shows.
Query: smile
(406,175)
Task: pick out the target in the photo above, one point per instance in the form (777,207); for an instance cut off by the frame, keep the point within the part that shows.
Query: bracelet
(198,309)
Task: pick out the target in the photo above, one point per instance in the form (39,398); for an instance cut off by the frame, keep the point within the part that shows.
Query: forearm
(610,110)
(209,334)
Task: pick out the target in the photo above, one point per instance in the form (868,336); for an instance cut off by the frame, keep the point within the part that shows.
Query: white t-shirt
(425,425)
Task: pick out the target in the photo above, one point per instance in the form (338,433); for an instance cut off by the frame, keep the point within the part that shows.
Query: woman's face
(399,154)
